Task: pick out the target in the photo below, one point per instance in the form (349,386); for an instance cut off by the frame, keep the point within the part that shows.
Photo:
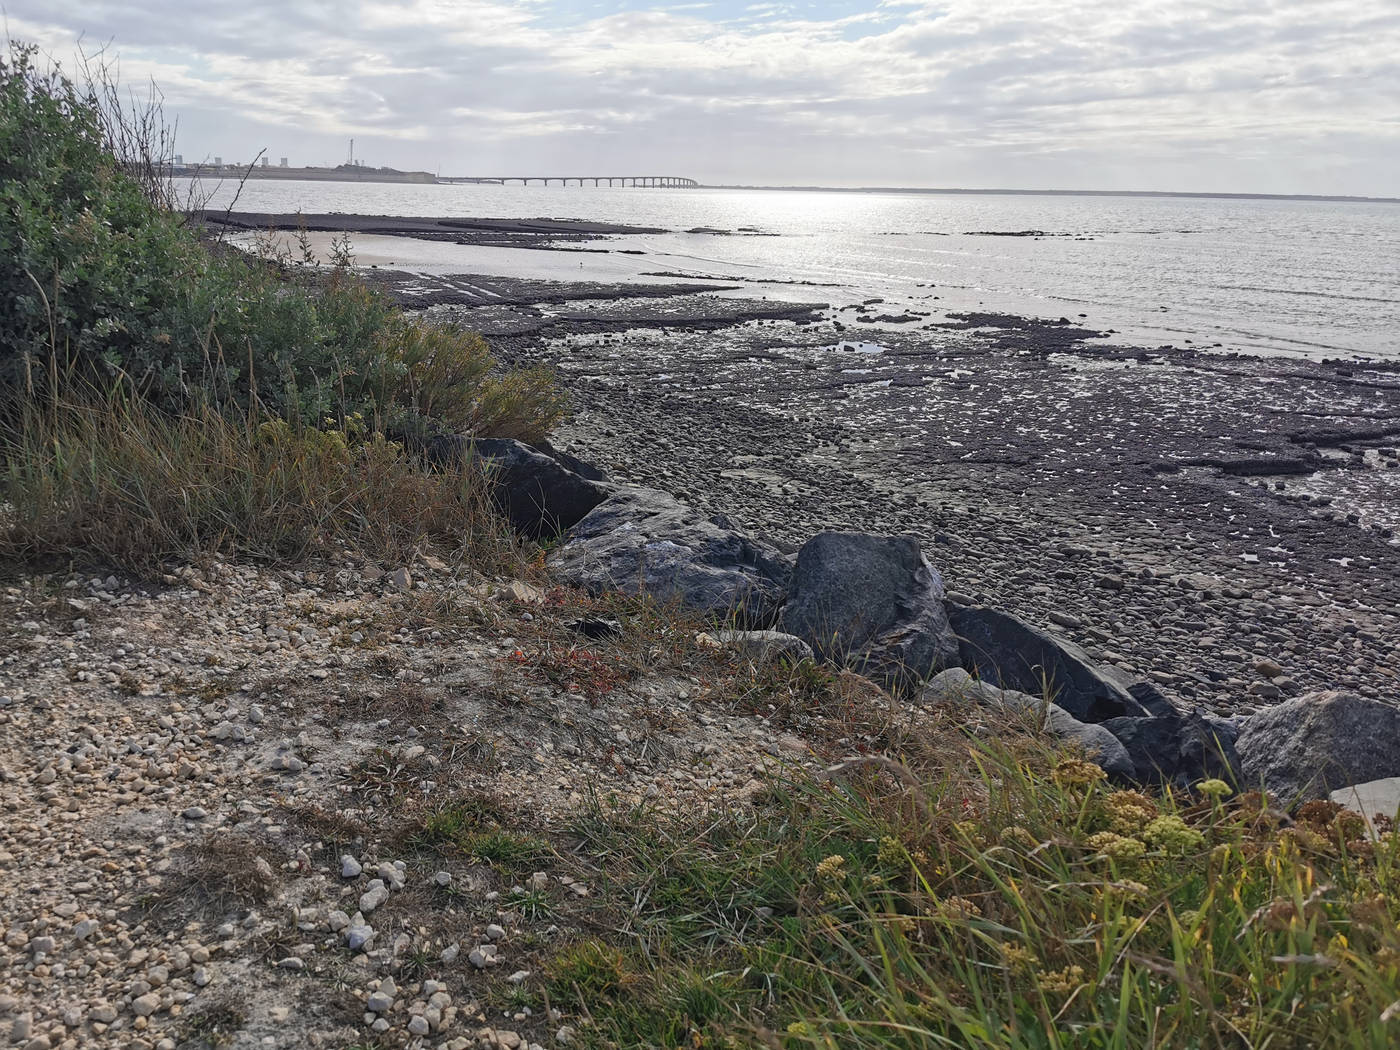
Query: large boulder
(1178,749)
(639,540)
(873,604)
(999,648)
(1305,748)
(956,686)
(537,489)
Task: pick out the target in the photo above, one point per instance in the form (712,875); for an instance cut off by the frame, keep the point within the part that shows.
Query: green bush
(101,286)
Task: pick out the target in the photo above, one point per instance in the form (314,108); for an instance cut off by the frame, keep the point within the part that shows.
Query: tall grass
(1009,898)
(116,481)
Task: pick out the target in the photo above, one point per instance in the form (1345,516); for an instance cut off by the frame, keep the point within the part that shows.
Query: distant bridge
(564,180)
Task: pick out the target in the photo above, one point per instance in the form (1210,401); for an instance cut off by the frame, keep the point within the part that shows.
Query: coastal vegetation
(164,393)
(165,399)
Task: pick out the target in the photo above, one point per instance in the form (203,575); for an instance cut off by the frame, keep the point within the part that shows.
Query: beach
(1187,516)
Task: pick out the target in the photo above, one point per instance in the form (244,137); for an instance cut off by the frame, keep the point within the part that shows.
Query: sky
(1262,96)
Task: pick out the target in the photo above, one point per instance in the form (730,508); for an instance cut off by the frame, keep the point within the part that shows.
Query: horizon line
(1337,197)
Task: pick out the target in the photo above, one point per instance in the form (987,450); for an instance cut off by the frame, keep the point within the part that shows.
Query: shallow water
(1281,277)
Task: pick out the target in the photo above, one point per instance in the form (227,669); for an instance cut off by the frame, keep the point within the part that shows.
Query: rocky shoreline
(1184,516)
(216,785)
(873,605)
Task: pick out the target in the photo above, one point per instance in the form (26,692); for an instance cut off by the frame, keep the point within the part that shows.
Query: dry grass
(117,483)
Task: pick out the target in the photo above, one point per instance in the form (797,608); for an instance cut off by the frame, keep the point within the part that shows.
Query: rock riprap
(956,686)
(541,493)
(1305,748)
(873,604)
(640,540)
(1003,649)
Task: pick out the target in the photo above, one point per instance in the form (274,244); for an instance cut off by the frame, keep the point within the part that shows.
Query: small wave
(1306,292)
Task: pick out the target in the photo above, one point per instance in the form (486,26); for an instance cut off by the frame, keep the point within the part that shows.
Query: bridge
(670,181)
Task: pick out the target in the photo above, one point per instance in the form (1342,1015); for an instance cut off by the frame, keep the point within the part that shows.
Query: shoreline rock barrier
(874,605)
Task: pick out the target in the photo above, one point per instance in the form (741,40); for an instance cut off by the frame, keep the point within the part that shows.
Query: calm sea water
(1282,277)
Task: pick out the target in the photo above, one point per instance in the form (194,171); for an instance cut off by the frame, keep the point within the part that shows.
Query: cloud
(1197,94)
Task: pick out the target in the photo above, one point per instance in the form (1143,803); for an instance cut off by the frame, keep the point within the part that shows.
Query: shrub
(102,286)
(441,373)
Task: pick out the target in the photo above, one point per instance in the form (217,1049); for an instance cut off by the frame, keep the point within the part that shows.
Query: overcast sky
(1279,96)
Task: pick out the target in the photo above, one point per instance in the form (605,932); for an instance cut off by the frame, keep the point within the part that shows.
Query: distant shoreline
(390,175)
(953,191)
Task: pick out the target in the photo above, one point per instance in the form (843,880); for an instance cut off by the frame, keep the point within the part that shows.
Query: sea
(1302,278)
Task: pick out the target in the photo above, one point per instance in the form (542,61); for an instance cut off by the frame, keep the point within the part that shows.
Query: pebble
(374,896)
(350,868)
(382,999)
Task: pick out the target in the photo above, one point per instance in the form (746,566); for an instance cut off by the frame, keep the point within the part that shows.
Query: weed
(510,851)
(987,893)
(212,1026)
(532,905)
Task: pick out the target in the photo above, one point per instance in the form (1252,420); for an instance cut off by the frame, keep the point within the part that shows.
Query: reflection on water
(1292,277)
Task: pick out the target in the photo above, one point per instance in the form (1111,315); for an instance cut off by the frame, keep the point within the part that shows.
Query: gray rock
(956,686)
(539,493)
(763,647)
(375,895)
(871,603)
(1178,749)
(640,540)
(382,999)
(350,868)
(1010,652)
(357,935)
(1305,748)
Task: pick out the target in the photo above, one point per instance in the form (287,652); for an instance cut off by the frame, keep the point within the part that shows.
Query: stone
(1009,652)
(350,868)
(103,1013)
(358,935)
(374,896)
(1268,668)
(873,604)
(640,540)
(762,647)
(145,1005)
(957,686)
(1305,748)
(85,929)
(382,999)
(401,579)
(539,492)
(1177,750)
